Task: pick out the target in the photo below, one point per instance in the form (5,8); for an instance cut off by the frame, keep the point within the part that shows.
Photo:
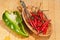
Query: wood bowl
(48,33)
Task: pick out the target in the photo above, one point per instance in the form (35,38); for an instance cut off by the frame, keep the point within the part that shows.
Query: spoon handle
(24,6)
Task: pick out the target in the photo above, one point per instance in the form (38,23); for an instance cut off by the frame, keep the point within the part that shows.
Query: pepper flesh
(14,24)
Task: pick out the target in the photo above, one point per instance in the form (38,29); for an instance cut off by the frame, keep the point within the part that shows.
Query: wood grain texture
(57,19)
(12,5)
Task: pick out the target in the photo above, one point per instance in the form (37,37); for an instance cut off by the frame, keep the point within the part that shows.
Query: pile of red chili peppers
(39,22)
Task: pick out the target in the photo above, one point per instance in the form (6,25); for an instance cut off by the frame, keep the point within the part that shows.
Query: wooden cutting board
(7,34)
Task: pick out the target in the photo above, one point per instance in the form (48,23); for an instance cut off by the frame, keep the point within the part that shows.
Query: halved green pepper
(15,22)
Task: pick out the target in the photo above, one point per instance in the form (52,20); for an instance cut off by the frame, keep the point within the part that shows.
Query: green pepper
(15,22)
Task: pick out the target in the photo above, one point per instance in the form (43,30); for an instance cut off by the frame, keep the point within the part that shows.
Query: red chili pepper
(38,29)
(35,22)
(39,23)
(35,16)
(43,28)
(40,14)
(31,23)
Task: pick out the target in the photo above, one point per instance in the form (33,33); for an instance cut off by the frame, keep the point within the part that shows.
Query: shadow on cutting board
(36,37)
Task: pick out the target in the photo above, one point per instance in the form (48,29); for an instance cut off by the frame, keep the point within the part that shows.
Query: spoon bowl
(25,18)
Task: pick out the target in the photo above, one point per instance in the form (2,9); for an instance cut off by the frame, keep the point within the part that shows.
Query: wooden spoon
(26,15)
(33,30)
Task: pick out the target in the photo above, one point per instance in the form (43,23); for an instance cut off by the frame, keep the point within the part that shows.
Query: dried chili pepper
(39,22)
(44,26)
(40,14)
